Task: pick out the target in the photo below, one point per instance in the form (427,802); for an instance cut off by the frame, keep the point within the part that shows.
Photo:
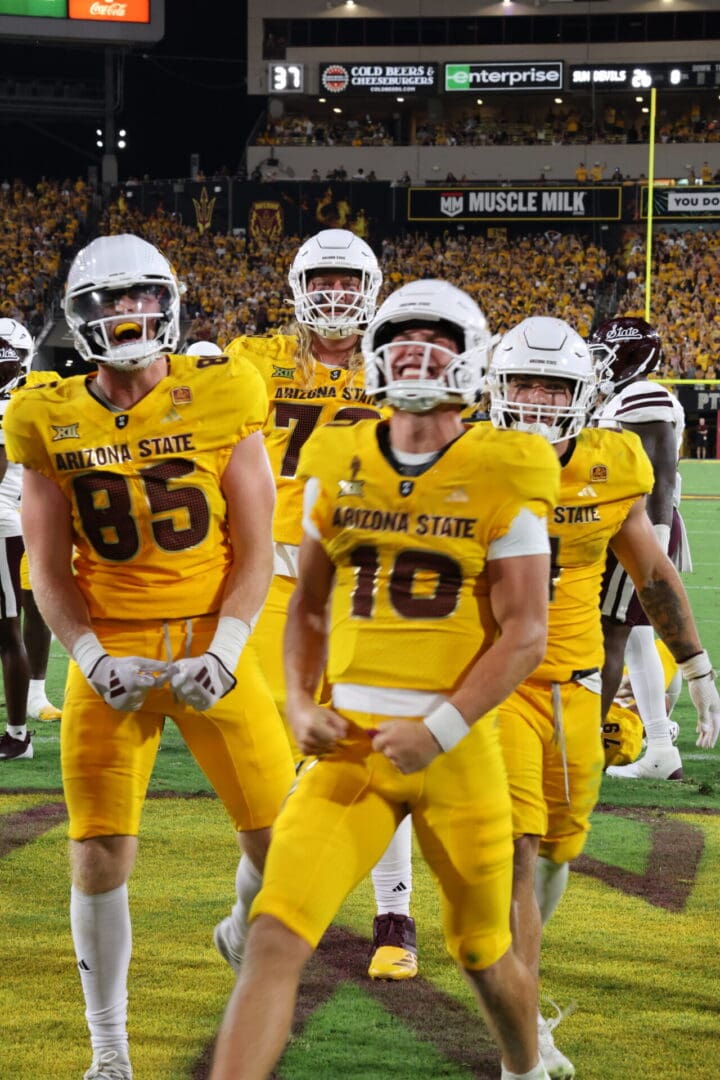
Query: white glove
(200,681)
(704,696)
(121,681)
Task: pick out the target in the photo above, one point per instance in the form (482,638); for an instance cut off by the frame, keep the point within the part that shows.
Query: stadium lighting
(479,101)
(122,133)
(121,144)
(558,101)
(645,109)
(322,100)
(98,132)
(400,99)
(639,100)
(336,109)
(99,143)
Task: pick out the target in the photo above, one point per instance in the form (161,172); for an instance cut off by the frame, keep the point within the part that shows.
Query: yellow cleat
(394,951)
(46,714)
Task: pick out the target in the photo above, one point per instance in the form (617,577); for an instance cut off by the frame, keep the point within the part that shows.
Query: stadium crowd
(236,287)
(39,227)
(489,126)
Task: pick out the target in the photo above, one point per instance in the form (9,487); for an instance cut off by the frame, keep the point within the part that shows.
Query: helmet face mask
(331,312)
(624,349)
(16,354)
(122,303)
(542,348)
(446,371)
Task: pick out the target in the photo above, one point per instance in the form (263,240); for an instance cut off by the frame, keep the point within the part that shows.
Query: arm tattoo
(664,609)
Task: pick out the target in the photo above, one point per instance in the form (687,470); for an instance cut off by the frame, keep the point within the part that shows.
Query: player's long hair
(306,360)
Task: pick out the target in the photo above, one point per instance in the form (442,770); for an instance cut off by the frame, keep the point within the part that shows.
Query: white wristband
(447,725)
(663,534)
(86,652)
(229,641)
(696,666)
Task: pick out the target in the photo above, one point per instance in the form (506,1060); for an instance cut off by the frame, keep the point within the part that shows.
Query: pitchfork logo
(451,205)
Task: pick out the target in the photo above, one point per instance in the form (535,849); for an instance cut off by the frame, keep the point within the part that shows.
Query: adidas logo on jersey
(588,492)
(457,496)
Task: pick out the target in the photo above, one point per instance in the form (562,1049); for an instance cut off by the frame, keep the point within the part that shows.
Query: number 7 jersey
(144,485)
(296,410)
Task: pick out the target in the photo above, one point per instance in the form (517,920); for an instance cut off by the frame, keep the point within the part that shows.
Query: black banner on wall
(683,202)
(515,204)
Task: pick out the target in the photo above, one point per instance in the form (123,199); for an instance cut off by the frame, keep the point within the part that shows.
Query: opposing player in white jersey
(16,351)
(627,350)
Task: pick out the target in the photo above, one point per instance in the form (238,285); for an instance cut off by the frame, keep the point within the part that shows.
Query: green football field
(634,946)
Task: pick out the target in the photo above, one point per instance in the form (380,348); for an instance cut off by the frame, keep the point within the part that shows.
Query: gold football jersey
(607,472)
(295,411)
(410,605)
(149,516)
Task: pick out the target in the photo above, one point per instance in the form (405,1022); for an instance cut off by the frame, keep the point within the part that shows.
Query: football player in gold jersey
(312,377)
(542,379)
(150,480)
(423,583)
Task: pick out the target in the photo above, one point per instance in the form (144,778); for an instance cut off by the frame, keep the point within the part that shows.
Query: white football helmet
(16,354)
(435,304)
(549,348)
(122,303)
(332,313)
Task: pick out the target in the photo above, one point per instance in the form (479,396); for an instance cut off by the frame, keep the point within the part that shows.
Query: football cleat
(394,949)
(43,711)
(557,1066)
(656,764)
(15,749)
(221,937)
(109,1065)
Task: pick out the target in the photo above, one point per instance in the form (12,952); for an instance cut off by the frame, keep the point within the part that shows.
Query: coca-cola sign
(134,11)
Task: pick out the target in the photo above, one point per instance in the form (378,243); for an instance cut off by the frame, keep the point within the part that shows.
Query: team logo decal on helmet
(624,348)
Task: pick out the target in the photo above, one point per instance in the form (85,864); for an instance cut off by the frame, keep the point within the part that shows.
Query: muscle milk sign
(492,204)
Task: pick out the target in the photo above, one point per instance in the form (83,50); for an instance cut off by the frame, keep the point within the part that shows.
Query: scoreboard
(95,22)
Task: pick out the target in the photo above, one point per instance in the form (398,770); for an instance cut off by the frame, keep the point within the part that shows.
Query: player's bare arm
(518,595)
(658,441)
(249,490)
(316,728)
(663,596)
(47,524)
(658,583)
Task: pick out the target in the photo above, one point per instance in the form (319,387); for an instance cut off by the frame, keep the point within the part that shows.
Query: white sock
(17,731)
(392,876)
(550,883)
(103,943)
(538,1073)
(647,679)
(37,691)
(247,885)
